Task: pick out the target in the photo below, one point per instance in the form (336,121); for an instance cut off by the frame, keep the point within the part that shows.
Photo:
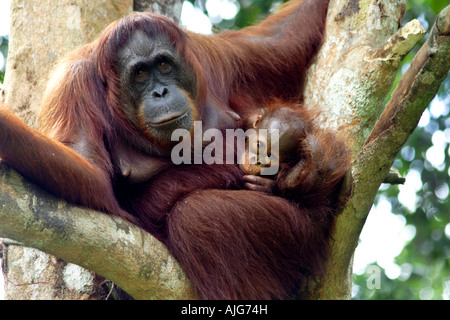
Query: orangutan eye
(260,145)
(164,67)
(142,75)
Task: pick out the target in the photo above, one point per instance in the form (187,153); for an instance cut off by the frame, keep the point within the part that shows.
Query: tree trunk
(355,70)
(41,33)
(168,8)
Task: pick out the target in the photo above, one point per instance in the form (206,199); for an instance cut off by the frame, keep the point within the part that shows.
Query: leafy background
(406,239)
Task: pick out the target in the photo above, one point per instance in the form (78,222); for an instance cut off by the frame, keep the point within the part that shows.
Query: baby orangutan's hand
(257,183)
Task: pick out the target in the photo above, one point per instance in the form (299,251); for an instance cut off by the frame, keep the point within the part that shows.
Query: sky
(372,247)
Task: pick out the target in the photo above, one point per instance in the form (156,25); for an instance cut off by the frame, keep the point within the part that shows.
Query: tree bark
(348,81)
(168,8)
(41,33)
(352,102)
(138,263)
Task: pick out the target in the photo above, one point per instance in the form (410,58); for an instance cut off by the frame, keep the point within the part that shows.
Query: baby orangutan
(311,162)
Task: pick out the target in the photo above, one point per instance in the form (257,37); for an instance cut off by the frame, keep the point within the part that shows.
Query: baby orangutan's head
(276,138)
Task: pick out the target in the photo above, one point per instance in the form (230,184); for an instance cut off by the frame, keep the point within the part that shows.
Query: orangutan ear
(255,120)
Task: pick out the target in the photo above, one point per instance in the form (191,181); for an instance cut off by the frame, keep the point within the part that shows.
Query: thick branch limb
(394,177)
(419,84)
(412,95)
(113,248)
(398,46)
(370,167)
(168,8)
(417,87)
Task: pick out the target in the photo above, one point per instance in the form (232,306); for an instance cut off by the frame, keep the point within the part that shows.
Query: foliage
(3,51)
(250,12)
(253,11)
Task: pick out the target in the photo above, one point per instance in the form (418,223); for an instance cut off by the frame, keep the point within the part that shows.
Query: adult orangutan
(106,124)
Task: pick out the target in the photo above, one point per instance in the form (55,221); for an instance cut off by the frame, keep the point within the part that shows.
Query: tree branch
(371,165)
(168,8)
(414,92)
(418,85)
(401,115)
(113,248)
(394,177)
